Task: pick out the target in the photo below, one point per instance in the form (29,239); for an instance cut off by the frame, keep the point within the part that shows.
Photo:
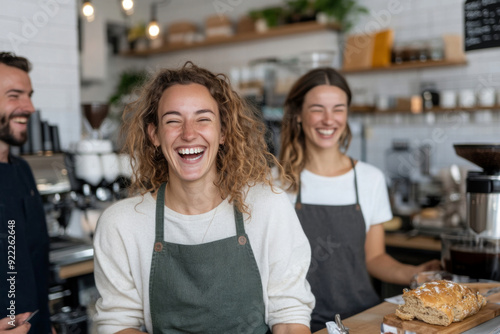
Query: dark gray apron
(213,287)
(338,275)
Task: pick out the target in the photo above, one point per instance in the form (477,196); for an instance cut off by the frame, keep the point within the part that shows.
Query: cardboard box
(245,25)
(454,48)
(411,104)
(181,32)
(358,52)
(366,51)
(218,26)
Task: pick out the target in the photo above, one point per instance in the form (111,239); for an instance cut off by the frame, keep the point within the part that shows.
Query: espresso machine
(474,254)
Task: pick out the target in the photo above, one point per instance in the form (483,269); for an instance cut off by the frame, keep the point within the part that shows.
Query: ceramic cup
(88,168)
(486,97)
(448,99)
(125,168)
(467,98)
(110,167)
(383,102)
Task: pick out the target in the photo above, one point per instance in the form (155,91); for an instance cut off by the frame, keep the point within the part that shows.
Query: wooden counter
(403,240)
(370,320)
(76,269)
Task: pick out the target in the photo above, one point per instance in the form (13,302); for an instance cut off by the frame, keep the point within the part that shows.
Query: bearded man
(24,242)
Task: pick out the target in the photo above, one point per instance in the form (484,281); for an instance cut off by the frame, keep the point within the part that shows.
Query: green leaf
(129,80)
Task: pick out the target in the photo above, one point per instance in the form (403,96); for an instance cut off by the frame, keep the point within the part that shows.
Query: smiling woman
(340,203)
(188,133)
(242,160)
(210,245)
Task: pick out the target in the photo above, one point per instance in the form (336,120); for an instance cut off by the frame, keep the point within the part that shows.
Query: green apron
(213,287)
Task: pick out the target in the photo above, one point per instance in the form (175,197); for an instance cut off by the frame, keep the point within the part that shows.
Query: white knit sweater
(123,247)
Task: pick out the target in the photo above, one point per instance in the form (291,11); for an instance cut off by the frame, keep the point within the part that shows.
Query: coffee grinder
(483,188)
(474,254)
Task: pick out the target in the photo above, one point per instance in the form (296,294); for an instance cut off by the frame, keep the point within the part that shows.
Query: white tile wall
(420,19)
(45,32)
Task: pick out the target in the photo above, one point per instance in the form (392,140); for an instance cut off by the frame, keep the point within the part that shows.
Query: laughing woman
(209,246)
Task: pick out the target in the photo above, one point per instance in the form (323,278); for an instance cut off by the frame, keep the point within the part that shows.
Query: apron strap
(160,209)
(355,184)
(238,219)
(298,201)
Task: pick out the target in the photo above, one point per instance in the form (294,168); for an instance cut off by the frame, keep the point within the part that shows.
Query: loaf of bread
(440,303)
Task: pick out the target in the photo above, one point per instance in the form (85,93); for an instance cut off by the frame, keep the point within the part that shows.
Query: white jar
(467,98)
(486,97)
(383,102)
(448,99)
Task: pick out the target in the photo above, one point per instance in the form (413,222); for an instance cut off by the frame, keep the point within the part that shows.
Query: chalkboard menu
(482,24)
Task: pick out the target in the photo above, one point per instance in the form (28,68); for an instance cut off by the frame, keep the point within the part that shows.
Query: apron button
(242,240)
(158,247)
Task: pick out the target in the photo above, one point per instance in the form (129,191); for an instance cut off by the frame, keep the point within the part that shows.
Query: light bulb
(128,6)
(153,29)
(88,9)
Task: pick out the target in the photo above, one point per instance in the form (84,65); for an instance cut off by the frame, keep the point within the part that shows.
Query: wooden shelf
(373,111)
(408,66)
(285,30)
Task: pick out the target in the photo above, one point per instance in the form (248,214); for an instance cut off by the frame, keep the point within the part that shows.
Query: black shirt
(24,246)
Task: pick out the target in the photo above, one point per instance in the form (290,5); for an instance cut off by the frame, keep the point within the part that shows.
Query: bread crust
(440,303)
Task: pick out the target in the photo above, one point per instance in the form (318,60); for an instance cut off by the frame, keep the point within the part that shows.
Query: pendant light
(128,6)
(88,11)
(153,27)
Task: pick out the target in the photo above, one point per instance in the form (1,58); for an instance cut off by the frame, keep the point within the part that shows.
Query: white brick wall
(45,32)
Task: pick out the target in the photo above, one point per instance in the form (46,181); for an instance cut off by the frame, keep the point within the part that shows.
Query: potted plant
(300,11)
(343,12)
(125,92)
(267,17)
(136,37)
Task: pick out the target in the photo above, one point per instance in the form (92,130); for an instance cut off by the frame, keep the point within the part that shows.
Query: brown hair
(293,146)
(243,160)
(11,59)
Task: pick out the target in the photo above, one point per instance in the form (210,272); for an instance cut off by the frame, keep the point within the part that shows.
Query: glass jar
(436,48)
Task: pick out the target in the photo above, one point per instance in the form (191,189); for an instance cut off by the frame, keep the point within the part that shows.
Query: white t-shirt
(339,190)
(124,242)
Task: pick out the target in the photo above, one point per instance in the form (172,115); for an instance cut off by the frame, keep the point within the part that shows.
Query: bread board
(488,312)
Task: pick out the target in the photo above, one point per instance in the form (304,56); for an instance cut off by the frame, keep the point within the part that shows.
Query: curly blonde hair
(292,155)
(243,160)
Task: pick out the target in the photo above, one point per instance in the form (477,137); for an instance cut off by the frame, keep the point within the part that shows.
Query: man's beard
(7,136)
